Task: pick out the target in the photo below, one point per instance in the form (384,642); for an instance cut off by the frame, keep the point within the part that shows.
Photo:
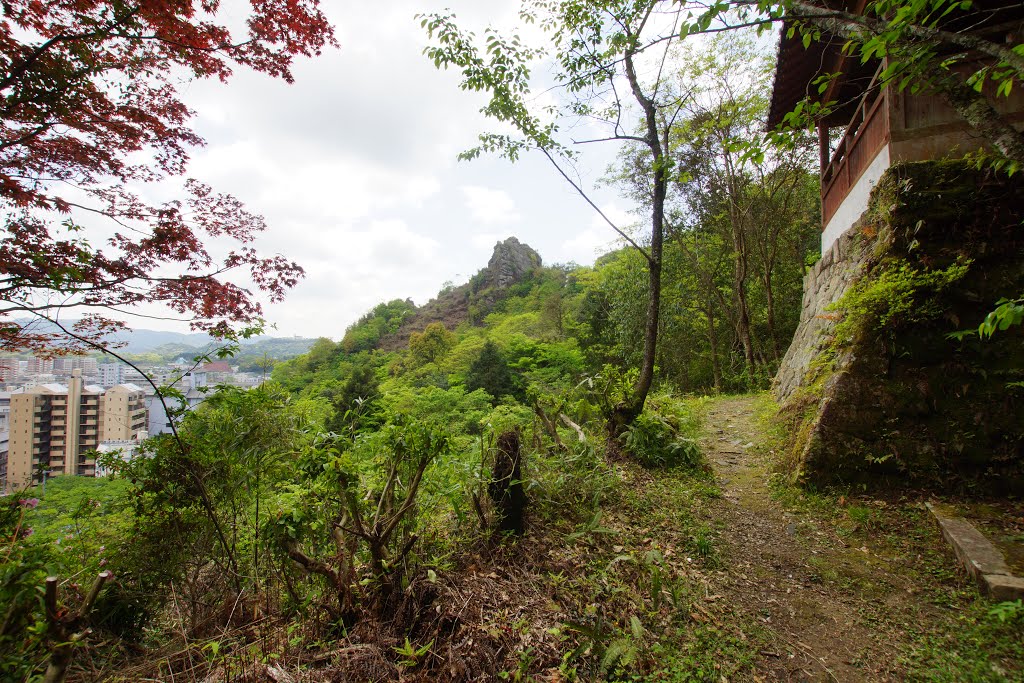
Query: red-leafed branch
(84,87)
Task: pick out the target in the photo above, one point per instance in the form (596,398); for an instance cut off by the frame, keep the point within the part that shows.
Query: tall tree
(431,344)
(91,105)
(489,371)
(730,209)
(601,49)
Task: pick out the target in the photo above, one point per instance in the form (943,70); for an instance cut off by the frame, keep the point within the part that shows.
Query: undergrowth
(954,633)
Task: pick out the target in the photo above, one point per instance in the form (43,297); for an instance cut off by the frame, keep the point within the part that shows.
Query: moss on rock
(892,397)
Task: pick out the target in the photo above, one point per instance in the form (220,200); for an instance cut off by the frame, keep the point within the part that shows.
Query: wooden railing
(867,133)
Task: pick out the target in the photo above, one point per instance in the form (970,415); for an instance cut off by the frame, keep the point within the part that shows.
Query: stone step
(982,560)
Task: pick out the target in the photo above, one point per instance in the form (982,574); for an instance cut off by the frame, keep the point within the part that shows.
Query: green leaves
(656,441)
(412,655)
(1008,313)
(501,69)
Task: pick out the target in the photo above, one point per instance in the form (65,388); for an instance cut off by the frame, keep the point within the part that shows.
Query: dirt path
(775,565)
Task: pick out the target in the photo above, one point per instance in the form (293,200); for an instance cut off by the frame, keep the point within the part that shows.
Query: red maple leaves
(85,87)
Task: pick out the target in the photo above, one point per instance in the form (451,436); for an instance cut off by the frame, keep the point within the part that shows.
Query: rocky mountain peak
(510,262)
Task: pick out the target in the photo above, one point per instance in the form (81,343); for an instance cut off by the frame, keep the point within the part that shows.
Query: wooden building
(872,126)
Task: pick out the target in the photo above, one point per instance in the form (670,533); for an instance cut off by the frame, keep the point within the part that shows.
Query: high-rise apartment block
(111,374)
(123,413)
(69,363)
(58,429)
(39,366)
(10,369)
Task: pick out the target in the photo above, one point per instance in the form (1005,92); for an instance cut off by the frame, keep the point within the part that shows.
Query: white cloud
(354,168)
(599,237)
(585,246)
(489,206)
(624,220)
(486,240)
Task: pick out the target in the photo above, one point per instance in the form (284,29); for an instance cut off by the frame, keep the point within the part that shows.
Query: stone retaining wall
(824,283)
(902,401)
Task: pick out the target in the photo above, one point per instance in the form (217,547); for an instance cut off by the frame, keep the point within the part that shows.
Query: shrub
(655,442)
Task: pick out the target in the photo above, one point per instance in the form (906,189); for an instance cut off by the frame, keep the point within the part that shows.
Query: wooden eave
(797,67)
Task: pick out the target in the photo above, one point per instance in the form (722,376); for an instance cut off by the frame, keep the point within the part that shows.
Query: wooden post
(824,153)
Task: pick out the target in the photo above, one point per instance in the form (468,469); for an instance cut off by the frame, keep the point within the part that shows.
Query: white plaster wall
(856,201)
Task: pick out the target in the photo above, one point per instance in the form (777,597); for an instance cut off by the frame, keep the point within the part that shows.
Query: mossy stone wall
(875,388)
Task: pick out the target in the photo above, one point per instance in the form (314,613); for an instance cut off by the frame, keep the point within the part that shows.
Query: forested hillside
(352,492)
(550,472)
(554,326)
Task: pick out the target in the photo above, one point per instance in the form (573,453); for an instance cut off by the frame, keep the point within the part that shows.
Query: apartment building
(4,446)
(124,413)
(110,374)
(67,364)
(192,385)
(5,433)
(59,429)
(10,370)
(39,366)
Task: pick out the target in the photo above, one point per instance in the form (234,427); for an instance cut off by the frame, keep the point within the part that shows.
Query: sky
(354,168)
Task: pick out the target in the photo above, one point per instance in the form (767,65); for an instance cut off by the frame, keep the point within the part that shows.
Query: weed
(1009,611)
(521,672)
(978,642)
(862,517)
(664,435)
(702,545)
(703,653)
(411,656)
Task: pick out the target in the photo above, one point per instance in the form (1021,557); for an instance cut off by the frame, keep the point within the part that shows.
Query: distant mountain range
(141,340)
(144,341)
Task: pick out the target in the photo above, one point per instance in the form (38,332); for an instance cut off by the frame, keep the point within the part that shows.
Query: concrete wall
(824,283)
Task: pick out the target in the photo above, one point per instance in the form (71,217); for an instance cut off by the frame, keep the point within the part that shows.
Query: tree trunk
(979,113)
(741,263)
(770,302)
(716,367)
(739,280)
(743,316)
(624,413)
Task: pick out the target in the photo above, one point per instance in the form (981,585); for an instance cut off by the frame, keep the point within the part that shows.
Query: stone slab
(975,552)
(1004,588)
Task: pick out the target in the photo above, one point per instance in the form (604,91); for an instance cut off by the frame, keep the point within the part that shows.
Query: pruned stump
(506,486)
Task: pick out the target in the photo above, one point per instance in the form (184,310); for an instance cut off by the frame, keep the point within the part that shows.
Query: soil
(777,560)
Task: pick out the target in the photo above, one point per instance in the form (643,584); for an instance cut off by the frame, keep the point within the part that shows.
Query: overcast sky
(354,167)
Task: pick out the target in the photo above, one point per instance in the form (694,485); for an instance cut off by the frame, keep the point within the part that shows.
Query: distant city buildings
(191,384)
(10,370)
(116,404)
(123,450)
(67,364)
(111,374)
(5,421)
(58,429)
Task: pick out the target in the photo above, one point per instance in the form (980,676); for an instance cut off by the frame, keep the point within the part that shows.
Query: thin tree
(611,57)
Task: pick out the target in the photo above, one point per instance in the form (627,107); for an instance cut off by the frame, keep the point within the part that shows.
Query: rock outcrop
(874,386)
(511,262)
